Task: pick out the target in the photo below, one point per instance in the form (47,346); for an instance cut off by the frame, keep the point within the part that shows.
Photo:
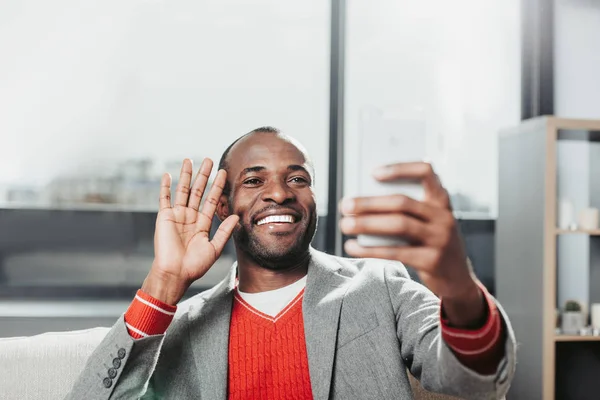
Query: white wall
(577,58)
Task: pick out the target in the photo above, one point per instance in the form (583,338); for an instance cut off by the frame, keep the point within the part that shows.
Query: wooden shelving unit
(526,246)
(595,232)
(576,338)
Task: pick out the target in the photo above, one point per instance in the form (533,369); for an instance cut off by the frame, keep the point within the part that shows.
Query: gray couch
(45,366)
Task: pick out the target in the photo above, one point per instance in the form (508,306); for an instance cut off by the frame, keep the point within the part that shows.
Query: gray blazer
(365,321)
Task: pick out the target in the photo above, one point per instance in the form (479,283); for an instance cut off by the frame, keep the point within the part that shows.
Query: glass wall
(101,98)
(450,68)
(106,96)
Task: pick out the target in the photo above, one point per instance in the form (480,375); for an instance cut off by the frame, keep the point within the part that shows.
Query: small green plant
(572,306)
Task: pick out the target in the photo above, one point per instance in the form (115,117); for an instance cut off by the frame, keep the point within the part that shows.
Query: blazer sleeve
(119,368)
(430,360)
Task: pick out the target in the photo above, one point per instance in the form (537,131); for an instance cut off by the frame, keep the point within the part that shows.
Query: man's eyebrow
(259,168)
(248,170)
(296,167)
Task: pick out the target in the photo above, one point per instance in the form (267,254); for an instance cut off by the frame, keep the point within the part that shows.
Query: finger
(210,204)
(396,203)
(183,187)
(386,224)
(422,171)
(419,258)
(224,232)
(164,200)
(199,185)
(442,194)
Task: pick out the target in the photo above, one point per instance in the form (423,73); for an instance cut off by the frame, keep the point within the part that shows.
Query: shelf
(576,338)
(595,232)
(574,124)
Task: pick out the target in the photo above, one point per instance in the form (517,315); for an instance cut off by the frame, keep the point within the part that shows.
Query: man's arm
(473,363)
(478,344)
(119,368)
(148,316)
(122,365)
(470,325)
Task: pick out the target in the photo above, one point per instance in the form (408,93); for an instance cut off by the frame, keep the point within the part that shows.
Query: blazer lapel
(325,289)
(209,337)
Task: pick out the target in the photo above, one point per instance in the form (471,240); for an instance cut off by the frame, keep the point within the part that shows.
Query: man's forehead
(265,149)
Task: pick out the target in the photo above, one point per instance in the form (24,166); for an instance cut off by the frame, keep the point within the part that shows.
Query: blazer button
(121,353)
(116,363)
(107,382)
(112,373)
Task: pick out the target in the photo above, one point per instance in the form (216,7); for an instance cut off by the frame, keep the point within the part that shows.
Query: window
(453,67)
(104,97)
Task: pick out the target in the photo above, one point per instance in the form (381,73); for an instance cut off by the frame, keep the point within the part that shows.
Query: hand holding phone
(423,217)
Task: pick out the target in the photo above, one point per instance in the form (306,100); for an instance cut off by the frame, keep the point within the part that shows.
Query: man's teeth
(276,218)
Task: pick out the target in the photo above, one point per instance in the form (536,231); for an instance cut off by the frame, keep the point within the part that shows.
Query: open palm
(182,245)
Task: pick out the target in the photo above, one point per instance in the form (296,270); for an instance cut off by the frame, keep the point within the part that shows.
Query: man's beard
(277,256)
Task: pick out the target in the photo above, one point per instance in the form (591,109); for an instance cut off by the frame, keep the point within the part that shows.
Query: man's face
(272,193)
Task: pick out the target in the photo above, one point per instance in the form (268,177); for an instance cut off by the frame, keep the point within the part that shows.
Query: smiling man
(289,321)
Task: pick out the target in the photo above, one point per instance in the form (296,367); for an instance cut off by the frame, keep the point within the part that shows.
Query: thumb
(224,232)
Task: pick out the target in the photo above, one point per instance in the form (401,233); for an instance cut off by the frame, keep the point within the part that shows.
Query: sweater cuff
(480,344)
(148,316)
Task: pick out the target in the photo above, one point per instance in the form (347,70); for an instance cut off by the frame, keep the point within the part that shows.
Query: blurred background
(99,98)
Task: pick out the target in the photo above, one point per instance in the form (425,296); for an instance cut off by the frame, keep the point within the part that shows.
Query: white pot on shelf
(572,322)
(566,214)
(588,218)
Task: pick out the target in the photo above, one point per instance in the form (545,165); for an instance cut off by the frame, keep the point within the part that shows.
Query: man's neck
(255,279)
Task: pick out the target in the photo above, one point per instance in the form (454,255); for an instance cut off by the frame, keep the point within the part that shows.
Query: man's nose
(278,192)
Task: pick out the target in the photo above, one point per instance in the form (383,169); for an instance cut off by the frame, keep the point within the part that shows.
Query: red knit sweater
(267,355)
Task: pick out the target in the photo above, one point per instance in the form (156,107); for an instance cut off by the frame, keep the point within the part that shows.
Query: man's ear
(223,208)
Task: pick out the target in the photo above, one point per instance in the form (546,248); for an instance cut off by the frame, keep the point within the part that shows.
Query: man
(289,321)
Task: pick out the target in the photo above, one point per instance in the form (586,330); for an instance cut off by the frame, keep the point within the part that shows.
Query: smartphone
(388,139)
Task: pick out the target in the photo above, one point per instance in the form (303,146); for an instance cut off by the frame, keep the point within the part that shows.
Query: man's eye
(252,181)
(299,179)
